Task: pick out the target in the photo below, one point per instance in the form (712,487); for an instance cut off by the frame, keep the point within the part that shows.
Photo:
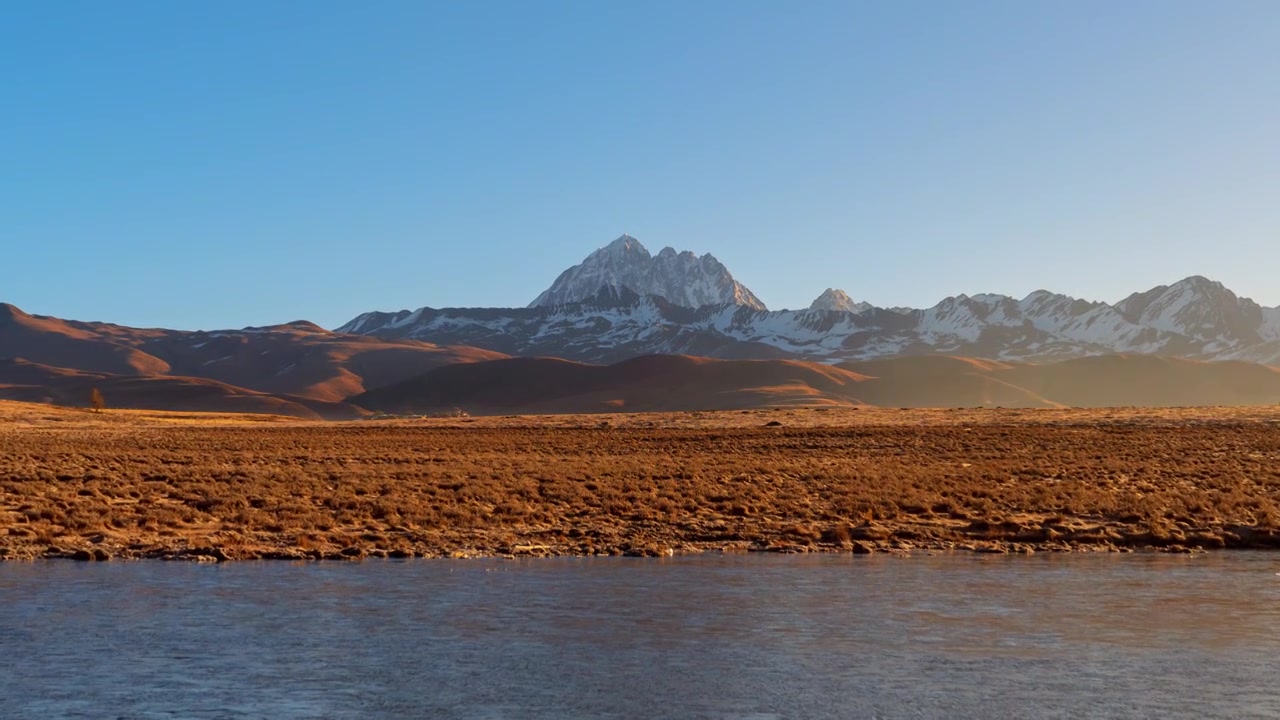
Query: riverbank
(80,485)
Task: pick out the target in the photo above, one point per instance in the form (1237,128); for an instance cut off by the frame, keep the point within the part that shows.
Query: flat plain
(136,484)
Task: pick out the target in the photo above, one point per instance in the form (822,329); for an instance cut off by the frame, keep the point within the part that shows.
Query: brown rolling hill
(649,383)
(25,381)
(303,359)
(19,372)
(307,369)
(58,343)
(666,382)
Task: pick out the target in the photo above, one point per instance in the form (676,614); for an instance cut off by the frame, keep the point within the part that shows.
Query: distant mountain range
(620,302)
(617,332)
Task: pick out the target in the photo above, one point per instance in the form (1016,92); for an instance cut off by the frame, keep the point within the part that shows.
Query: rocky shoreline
(863,540)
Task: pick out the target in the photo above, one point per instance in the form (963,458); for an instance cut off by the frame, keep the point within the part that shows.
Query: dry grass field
(132,484)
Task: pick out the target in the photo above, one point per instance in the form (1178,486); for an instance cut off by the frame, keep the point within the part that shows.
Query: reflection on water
(699,637)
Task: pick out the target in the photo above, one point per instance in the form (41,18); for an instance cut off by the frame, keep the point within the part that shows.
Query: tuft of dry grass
(140,485)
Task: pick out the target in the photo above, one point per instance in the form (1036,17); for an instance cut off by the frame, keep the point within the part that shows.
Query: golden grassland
(135,484)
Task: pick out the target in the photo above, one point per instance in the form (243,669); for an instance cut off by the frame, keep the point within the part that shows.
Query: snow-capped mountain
(622,302)
(839,300)
(681,278)
(1199,308)
(617,324)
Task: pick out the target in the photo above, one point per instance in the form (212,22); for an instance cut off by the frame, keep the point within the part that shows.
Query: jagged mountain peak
(1191,284)
(1198,281)
(1196,307)
(838,300)
(625,244)
(681,278)
(670,252)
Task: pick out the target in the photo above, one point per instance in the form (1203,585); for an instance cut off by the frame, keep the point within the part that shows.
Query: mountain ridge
(1193,318)
(621,302)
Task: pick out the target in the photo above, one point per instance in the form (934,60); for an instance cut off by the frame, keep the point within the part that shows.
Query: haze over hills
(665,383)
(620,303)
(650,383)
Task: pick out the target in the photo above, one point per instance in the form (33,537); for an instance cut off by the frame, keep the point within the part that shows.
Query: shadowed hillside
(1149,381)
(668,382)
(943,381)
(651,383)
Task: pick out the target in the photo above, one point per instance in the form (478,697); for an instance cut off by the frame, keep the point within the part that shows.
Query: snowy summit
(680,278)
(839,301)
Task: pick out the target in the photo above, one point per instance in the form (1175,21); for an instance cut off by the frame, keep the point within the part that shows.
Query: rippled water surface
(698,637)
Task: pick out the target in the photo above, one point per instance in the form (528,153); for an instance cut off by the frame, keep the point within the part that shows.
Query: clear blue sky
(219,164)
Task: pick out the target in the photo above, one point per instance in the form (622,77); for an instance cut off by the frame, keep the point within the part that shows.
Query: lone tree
(95,400)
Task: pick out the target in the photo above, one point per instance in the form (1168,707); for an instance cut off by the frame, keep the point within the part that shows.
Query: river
(713,636)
